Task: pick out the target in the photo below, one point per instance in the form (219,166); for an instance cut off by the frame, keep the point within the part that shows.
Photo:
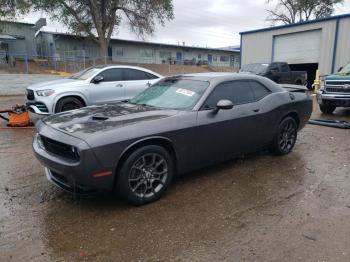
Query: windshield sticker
(185,92)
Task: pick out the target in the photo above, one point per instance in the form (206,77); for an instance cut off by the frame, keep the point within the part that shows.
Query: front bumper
(338,100)
(75,176)
(37,108)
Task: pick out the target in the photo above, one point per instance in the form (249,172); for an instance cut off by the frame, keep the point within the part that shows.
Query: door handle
(256,110)
(119,85)
(148,84)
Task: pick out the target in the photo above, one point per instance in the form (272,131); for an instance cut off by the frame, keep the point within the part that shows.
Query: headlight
(322,85)
(46,92)
(40,141)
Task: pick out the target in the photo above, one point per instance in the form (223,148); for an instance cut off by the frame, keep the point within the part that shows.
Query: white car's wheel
(67,104)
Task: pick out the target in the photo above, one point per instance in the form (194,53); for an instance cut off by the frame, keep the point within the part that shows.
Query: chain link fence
(74,61)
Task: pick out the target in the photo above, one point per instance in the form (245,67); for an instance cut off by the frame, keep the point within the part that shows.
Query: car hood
(337,77)
(98,119)
(55,84)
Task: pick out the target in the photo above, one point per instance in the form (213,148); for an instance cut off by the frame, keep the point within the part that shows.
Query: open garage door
(298,48)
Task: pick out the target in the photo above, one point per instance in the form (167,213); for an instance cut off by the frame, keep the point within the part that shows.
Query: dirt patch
(258,208)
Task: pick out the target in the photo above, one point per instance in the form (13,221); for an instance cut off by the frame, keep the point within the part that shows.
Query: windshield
(86,74)
(172,93)
(345,70)
(255,68)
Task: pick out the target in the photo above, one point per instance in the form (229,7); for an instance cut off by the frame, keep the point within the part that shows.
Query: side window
(284,68)
(133,74)
(112,75)
(239,92)
(274,67)
(151,76)
(259,90)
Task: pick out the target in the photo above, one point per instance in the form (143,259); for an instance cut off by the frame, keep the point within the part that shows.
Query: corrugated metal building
(322,44)
(128,51)
(17,39)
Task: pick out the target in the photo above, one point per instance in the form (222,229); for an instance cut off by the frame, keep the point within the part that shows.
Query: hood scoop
(100,117)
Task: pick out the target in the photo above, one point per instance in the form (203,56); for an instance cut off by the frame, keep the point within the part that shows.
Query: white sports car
(95,85)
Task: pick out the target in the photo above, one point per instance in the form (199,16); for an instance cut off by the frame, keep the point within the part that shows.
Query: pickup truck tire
(68,103)
(327,109)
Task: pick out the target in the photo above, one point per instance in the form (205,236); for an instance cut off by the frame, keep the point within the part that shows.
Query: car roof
(126,66)
(217,76)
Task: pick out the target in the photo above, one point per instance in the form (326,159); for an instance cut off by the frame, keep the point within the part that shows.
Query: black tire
(68,103)
(299,82)
(139,173)
(327,109)
(285,138)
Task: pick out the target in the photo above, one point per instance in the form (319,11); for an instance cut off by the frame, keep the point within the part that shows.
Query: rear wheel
(67,104)
(145,175)
(327,109)
(285,138)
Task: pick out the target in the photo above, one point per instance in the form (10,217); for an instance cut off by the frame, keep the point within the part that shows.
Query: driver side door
(110,89)
(227,133)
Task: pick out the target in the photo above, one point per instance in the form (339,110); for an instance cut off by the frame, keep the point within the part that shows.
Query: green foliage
(101,17)
(10,9)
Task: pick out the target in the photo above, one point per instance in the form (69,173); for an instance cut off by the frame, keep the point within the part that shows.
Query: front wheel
(285,138)
(145,175)
(327,109)
(67,104)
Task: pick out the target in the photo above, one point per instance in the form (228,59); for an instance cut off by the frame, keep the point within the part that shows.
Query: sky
(204,23)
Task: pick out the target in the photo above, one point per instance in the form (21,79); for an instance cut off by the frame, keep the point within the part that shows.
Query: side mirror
(224,104)
(97,79)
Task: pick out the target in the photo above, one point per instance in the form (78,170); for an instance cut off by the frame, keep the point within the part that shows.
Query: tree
(9,9)
(294,11)
(98,19)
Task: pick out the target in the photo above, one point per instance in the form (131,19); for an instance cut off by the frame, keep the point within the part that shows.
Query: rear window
(133,74)
(255,68)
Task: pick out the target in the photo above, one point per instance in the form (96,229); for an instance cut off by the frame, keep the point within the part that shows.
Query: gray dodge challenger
(182,123)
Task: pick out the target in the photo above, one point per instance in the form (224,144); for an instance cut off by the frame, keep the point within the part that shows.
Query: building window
(119,51)
(164,54)
(215,58)
(224,58)
(200,56)
(146,53)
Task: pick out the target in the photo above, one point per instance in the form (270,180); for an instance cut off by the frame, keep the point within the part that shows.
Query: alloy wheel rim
(287,136)
(148,175)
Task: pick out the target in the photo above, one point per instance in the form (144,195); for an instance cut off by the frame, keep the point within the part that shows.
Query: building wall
(343,45)
(20,47)
(49,45)
(258,47)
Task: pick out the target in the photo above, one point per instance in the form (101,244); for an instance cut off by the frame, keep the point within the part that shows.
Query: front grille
(30,94)
(338,90)
(59,149)
(337,83)
(42,107)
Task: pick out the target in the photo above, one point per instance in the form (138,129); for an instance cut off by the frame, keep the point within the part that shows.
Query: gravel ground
(257,208)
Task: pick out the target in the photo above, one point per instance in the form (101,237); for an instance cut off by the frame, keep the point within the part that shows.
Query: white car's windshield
(172,93)
(86,74)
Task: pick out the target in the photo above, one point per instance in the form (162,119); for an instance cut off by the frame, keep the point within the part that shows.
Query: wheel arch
(293,115)
(79,96)
(298,81)
(156,140)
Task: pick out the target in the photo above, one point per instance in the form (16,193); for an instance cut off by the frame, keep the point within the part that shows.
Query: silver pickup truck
(335,91)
